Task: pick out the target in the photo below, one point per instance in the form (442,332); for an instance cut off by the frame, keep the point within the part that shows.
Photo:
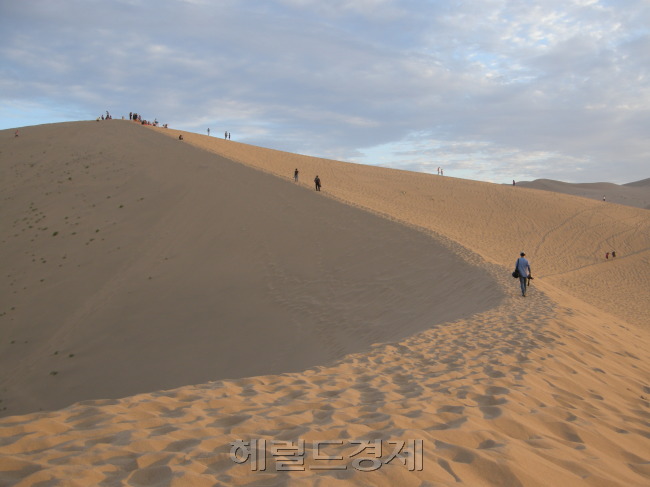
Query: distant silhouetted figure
(295,175)
(208,131)
(225,135)
(513,182)
(613,254)
(317,183)
(180,137)
(604,198)
(607,255)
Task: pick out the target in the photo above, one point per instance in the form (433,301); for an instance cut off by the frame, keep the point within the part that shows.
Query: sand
(171,266)
(412,328)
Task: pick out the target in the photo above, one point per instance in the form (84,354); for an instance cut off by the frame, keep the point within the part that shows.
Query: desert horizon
(635,193)
(164,298)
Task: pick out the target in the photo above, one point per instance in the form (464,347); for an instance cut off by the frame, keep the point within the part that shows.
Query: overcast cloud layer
(492,90)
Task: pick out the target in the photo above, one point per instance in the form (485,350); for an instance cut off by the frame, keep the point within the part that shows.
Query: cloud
(557,89)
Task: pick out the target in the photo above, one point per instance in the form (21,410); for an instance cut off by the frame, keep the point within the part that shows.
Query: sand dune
(635,194)
(547,390)
(157,265)
(644,183)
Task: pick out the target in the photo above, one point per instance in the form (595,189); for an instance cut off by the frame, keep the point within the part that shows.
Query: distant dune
(644,183)
(190,294)
(635,194)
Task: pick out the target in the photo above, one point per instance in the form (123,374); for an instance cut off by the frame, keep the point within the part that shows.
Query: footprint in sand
(158,475)
(230,421)
(451,409)
(489,444)
(456,423)
(182,445)
(490,412)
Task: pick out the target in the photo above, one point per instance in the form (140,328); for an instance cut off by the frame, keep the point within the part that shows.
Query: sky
(490,90)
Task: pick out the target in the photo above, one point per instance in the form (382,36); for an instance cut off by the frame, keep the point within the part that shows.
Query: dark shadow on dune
(173,266)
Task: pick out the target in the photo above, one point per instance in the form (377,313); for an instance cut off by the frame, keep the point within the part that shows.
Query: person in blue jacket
(523,267)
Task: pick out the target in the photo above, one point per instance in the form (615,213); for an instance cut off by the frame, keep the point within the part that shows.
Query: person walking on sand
(522,266)
(208,131)
(606,255)
(317,183)
(295,176)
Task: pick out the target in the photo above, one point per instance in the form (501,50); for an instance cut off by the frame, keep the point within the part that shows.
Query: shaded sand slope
(133,262)
(635,194)
(560,233)
(543,391)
